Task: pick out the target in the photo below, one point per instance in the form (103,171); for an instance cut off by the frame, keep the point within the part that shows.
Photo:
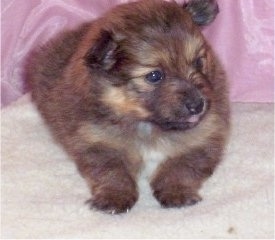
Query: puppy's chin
(181,125)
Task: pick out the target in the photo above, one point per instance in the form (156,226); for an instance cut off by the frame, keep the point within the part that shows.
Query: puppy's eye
(154,77)
(198,63)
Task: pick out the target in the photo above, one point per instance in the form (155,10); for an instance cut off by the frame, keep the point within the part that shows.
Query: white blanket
(43,195)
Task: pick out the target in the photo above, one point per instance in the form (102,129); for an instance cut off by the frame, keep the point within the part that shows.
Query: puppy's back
(46,64)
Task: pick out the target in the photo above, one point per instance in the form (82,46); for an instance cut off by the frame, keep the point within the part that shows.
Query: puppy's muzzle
(193,102)
(196,111)
(195,107)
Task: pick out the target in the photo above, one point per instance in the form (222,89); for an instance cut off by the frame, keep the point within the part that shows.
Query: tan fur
(118,99)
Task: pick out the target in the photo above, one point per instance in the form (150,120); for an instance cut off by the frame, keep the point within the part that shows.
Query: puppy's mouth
(183,123)
(188,123)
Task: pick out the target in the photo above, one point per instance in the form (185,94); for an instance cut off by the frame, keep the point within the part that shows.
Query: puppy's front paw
(176,196)
(114,201)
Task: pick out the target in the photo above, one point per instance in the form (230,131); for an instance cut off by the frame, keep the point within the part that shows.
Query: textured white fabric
(43,195)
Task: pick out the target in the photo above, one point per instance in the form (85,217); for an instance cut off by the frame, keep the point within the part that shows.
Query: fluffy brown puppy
(138,87)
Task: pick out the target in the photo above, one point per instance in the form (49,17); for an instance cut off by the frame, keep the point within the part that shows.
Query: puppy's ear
(102,53)
(203,12)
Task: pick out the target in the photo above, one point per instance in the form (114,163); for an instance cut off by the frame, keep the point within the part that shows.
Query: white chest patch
(152,158)
(152,153)
(144,129)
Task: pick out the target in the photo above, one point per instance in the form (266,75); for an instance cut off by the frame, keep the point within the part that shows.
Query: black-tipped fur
(203,12)
(101,55)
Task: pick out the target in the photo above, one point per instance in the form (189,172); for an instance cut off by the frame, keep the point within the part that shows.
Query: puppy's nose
(195,107)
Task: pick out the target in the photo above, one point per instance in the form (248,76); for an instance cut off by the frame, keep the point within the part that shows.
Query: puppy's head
(154,63)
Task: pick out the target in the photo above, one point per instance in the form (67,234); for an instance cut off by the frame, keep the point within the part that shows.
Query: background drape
(242,36)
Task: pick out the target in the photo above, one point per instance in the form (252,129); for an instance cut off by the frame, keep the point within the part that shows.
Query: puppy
(138,87)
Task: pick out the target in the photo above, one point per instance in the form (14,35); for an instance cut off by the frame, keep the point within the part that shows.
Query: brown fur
(90,86)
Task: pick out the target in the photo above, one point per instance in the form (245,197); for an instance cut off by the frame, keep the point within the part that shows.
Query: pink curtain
(242,35)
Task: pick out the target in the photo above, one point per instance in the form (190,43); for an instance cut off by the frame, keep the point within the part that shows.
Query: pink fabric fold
(242,36)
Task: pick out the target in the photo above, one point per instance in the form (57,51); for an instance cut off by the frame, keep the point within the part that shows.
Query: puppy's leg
(177,181)
(113,188)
